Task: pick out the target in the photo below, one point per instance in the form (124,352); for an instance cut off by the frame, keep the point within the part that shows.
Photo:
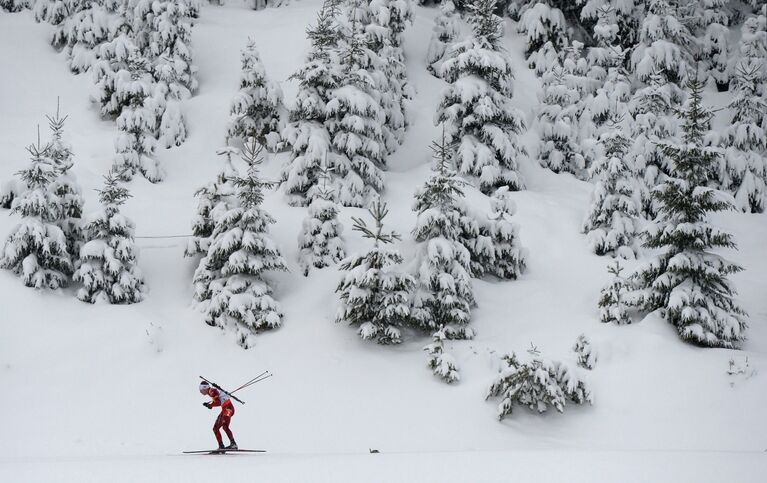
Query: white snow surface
(88,396)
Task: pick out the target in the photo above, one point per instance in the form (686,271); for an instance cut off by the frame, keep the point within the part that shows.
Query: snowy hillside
(109,392)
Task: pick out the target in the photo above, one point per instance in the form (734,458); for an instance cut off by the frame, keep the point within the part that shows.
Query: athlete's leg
(217,430)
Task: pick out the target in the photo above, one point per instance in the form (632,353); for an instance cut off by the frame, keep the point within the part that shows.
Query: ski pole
(253,382)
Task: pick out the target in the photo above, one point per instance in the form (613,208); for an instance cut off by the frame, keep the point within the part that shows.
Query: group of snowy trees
(622,105)
(140,58)
(349,113)
(54,245)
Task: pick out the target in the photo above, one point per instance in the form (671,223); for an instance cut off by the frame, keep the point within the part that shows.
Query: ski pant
(222,421)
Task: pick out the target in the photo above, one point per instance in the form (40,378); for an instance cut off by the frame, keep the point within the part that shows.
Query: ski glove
(207,405)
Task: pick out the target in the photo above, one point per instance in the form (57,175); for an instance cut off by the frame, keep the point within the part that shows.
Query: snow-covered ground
(108,393)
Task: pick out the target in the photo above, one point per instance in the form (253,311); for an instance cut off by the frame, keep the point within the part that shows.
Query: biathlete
(220,398)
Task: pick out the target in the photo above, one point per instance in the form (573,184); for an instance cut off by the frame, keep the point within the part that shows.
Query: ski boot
(232,445)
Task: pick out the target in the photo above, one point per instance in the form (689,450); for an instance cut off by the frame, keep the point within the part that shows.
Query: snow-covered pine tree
(213,201)
(82,34)
(306,131)
(445,32)
(36,248)
(255,108)
(229,281)
(355,118)
(112,70)
(685,280)
(585,352)
(653,123)
(320,243)
(744,171)
(135,143)
(444,295)
(108,271)
(558,117)
(9,191)
(545,27)
(372,293)
(509,257)
(713,41)
(65,186)
(537,383)
(617,20)
(611,221)
(613,297)
(476,108)
(442,364)
(384,22)
(13,5)
(664,45)
(53,11)
(172,67)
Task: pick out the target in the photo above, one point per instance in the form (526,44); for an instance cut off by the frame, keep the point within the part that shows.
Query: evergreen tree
(13,5)
(558,117)
(476,108)
(135,143)
(36,248)
(652,109)
(685,280)
(355,118)
(82,34)
(613,297)
(444,296)
(587,355)
(108,270)
(712,22)
(664,45)
(113,70)
(372,294)
(508,259)
(65,186)
(545,28)
(255,109)
(172,67)
(229,281)
(744,171)
(214,200)
(442,364)
(537,383)
(445,33)
(9,191)
(307,131)
(610,223)
(320,244)
(617,21)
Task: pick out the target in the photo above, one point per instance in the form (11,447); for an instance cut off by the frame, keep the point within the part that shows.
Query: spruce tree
(613,305)
(444,34)
(373,295)
(135,143)
(108,271)
(13,5)
(65,186)
(558,117)
(745,141)
(545,27)
(213,201)
(713,40)
(36,248)
(82,34)
(255,108)
(611,221)
(229,281)
(320,243)
(686,281)
(307,130)
(355,118)
(476,108)
(444,294)
(508,259)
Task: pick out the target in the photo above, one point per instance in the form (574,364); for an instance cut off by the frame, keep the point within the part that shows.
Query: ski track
(100,403)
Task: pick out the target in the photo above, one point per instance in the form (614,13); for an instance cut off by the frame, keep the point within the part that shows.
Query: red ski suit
(220,398)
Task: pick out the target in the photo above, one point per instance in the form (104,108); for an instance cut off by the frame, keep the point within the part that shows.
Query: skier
(220,398)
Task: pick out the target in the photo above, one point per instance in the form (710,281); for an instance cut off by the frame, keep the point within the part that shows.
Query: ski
(223,451)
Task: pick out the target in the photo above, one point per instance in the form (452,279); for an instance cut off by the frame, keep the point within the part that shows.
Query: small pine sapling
(538,384)
(372,294)
(443,365)
(613,306)
(108,271)
(585,352)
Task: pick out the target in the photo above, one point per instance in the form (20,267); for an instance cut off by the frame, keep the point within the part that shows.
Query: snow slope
(88,397)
